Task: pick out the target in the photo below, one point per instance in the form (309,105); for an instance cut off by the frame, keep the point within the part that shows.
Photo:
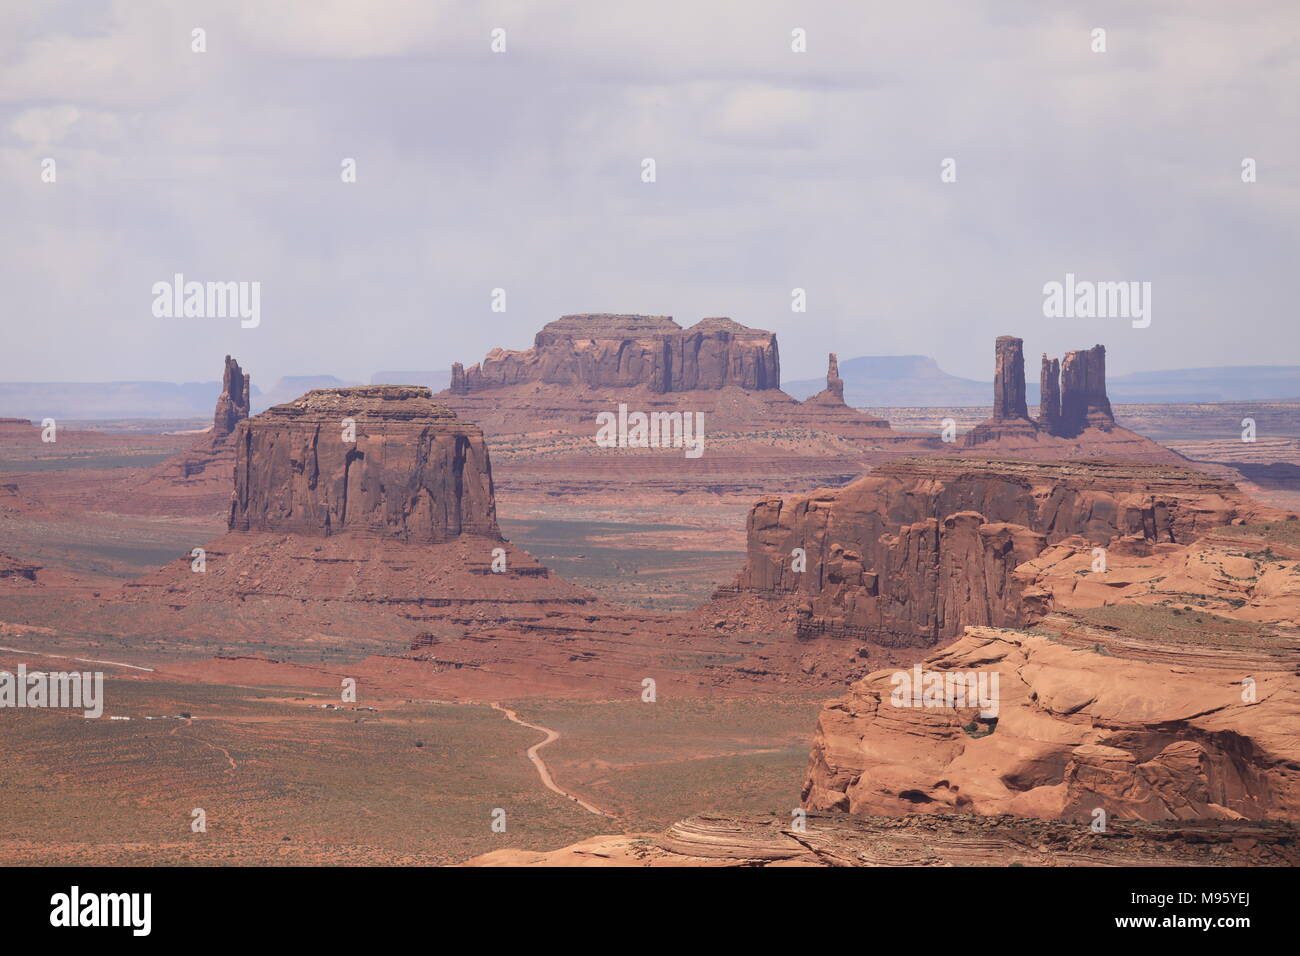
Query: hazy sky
(522,170)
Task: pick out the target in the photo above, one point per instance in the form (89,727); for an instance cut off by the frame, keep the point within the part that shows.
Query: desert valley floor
(622,565)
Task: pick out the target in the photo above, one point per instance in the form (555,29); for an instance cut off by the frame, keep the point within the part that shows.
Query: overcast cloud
(522,170)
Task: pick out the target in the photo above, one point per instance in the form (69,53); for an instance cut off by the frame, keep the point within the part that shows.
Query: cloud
(478,170)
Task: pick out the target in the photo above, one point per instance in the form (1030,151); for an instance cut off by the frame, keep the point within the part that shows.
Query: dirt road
(542,770)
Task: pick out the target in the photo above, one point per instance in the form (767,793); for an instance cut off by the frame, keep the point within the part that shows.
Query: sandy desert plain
(492,579)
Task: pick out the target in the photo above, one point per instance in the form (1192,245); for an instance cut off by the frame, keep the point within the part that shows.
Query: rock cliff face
(630,350)
(919,549)
(414,472)
(1083,391)
(1009,379)
(1076,730)
(1049,397)
(232,404)
(1073,399)
(1010,413)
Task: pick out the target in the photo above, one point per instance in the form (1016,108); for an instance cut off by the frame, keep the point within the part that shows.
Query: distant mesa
(600,350)
(433,379)
(412,471)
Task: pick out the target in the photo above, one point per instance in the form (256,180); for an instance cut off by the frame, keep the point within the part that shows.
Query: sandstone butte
(392,540)
(918,549)
(760,439)
(627,350)
(385,460)
(539,408)
(1072,404)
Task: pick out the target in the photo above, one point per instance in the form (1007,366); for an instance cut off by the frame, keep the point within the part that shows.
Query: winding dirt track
(542,770)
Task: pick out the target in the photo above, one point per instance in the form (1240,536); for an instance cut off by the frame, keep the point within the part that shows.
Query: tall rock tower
(1049,398)
(1009,380)
(232,404)
(1083,391)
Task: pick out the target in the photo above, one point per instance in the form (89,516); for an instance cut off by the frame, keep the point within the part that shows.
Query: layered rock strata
(383,460)
(1072,396)
(628,350)
(1083,392)
(1075,732)
(921,548)
(1049,395)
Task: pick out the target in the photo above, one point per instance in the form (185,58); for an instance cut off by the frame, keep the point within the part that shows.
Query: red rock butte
(920,549)
(384,460)
(599,350)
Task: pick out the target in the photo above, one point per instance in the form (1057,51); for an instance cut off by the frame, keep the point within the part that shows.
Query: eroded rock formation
(1010,413)
(919,549)
(1009,379)
(384,460)
(1083,391)
(1049,395)
(833,393)
(630,350)
(232,404)
(197,481)
(1072,399)
(1076,730)
(932,839)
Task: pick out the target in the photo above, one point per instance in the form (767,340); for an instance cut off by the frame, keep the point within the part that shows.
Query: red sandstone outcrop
(1083,392)
(629,350)
(383,459)
(1229,575)
(1010,419)
(232,404)
(921,548)
(1076,730)
(1009,379)
(931,839)
(1075,418)
(1049,397)
(833,393)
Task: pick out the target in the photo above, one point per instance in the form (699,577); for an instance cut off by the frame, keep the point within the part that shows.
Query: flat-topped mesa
(652,351)
(381,460)
(920,548)
(1049,396)
(1083,392)
(232,404)
(1009,379)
